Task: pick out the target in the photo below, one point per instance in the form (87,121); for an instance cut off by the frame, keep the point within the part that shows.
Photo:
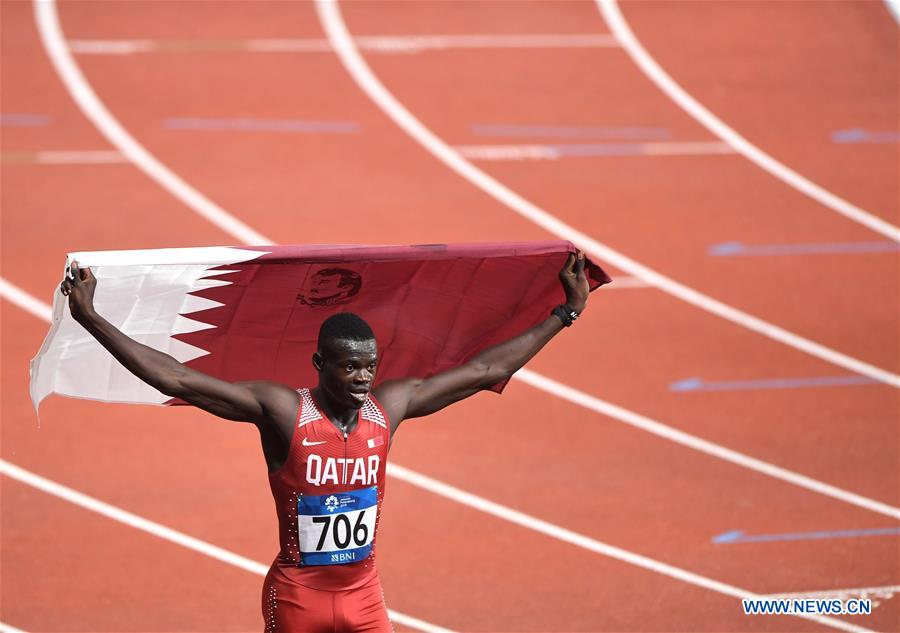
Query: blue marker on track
(737,536)
(738,249)
(24,120)
(859,135)
(698,384)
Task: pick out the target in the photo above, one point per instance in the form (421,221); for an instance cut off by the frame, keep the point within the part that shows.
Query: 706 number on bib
(341,532)
(336,529)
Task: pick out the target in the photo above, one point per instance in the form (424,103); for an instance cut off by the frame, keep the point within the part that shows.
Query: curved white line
(80,90)
(436,487)
(617,24)
(568,536)
(32,305)
(712,449)
(332,22)
(164,532)
(894,7)
(37,308)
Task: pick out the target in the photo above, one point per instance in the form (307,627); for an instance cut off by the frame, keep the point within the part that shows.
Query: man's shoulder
(271,388)
(393,389)
(277,399)
(393,397)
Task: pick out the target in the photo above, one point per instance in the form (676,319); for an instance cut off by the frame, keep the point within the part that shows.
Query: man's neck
(342,417)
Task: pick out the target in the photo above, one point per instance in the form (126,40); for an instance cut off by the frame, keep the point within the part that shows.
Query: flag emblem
(375,441)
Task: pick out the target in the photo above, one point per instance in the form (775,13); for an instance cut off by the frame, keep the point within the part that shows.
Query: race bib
(338,528)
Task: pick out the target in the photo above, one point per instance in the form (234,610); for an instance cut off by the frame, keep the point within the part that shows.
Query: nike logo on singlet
(308,443)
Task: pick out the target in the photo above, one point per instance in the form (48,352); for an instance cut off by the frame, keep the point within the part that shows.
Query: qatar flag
(253,313)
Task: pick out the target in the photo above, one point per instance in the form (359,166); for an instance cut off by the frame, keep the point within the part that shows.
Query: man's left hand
(574,281)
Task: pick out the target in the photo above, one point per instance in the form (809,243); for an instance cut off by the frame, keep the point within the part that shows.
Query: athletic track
(596,523)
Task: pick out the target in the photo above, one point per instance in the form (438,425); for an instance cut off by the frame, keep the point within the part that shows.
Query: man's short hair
(345,326)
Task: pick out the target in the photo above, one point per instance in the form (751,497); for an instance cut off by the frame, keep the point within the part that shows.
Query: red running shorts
(288,607)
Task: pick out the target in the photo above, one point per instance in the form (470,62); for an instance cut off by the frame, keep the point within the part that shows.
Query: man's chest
(329,459)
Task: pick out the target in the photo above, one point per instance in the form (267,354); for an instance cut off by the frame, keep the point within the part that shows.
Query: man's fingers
(76,275)
(570,263)
(579,266)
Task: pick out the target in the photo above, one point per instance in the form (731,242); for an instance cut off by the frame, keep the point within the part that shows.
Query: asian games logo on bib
(331,503)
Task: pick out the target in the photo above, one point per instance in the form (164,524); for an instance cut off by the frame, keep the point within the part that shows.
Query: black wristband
(565,313)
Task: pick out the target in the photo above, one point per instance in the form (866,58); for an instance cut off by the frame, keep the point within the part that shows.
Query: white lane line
(6,628)
(894,7)
(166,533)
(287,45)
(865,592)
(18,297)
(32,305)
(333,24)
(123,516)
(579,150)
(375,43)
(86,157)
(420,43)
(623,282)
(432,485)
(78,87)
(585,542)
(616,21)
(650,277)
(692,441)
(112,47)
(508,152)
(66,157)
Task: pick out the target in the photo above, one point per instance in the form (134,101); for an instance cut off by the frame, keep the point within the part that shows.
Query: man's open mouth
(359,396)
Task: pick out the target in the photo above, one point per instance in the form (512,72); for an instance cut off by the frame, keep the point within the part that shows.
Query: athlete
(326,447)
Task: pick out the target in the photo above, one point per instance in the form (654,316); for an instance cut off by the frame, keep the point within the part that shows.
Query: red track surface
(784,75)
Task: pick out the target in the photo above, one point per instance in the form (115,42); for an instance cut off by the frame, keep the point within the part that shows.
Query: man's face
(348,370)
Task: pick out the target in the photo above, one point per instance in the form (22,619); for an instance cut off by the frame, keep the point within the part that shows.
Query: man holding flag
(326,446)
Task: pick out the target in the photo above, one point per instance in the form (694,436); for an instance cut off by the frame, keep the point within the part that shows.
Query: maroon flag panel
(432,306)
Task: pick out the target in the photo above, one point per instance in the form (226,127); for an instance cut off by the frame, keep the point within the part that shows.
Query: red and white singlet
(328,498)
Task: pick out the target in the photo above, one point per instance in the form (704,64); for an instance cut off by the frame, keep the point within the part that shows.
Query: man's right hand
(79,286)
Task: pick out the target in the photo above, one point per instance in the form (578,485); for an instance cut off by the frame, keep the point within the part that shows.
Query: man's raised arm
(412,398)
(242,401)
